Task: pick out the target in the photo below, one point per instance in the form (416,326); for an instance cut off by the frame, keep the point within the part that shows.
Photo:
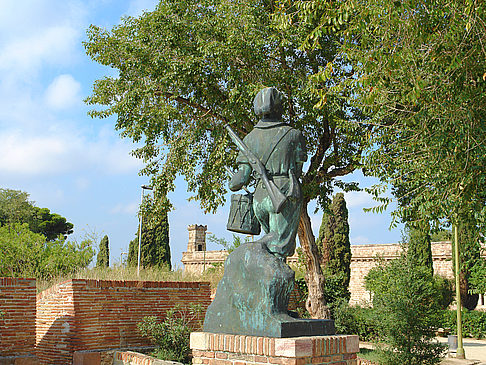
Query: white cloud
(316,223)
(125,208)
(23,57)
(63,152)
(33,155)
(63,92)
(359,199)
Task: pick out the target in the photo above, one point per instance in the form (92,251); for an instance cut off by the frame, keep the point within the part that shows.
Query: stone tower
(197,238)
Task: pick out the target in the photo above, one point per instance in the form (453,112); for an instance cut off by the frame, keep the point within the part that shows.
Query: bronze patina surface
(253,296)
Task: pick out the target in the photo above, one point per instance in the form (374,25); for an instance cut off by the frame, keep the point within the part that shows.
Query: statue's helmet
(268,104)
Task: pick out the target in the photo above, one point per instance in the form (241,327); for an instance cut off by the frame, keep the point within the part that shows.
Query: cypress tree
(103,258)
(155,249)
(335,248)
(419,246)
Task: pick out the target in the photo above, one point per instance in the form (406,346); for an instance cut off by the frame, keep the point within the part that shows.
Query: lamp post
(460,349)
(144,187)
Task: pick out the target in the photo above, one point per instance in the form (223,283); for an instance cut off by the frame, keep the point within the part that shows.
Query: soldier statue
(252,297)
(282,151)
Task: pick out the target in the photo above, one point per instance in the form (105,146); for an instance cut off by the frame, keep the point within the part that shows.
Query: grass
(124,273)
(369,354)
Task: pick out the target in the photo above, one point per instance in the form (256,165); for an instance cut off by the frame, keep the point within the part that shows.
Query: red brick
(221,355)
(263,359)
(87,358)
(209,354)
(286,360)
(94,309)
(259,350)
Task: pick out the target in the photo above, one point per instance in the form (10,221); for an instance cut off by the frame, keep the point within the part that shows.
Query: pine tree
(103,258)
(335,247)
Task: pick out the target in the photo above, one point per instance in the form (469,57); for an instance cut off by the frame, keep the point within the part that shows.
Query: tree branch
(316,160)
(199,107)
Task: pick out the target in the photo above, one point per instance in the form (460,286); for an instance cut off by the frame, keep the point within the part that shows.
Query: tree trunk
(315,304)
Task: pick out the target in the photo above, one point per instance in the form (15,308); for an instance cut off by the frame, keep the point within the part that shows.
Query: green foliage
(473,322)
(416,74)
(103,258)
(155,249)
(27,254)
(230,247)
(477,280)
(51,225)
(418,242)
(189,67)
(354,320)
(16,208)
(406,311)
(333,242)
(441,235)
(470,257)
(171,335)
(417,80)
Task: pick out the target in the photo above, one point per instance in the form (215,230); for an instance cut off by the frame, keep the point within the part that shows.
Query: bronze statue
(252,297)
(281,150)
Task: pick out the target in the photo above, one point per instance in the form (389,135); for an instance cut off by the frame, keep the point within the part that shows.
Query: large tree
(189,67)
(419,245)
(15,207)
(419,74)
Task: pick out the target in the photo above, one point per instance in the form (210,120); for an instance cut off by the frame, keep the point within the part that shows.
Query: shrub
(24,253)
(171,336)
(406,310)
(353,320)
(473,322)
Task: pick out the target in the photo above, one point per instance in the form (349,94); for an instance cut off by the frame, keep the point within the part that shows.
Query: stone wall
(195,262)
(98,315)
(17,317)
(363,258)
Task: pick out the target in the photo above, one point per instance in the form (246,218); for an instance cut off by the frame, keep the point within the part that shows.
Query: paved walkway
(475,351)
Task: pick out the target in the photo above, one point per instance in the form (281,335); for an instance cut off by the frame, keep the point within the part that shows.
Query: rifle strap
(278,137)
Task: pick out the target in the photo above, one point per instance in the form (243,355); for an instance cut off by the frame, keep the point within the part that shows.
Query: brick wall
(17,326)
(96,314)
(224,349)
(363,259)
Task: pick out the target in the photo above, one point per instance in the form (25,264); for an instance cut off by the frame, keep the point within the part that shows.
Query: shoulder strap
(278,137)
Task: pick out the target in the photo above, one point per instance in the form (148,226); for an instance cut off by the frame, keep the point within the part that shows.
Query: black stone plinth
(307,327)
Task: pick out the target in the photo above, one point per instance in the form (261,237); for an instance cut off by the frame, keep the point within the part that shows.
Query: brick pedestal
(222,349)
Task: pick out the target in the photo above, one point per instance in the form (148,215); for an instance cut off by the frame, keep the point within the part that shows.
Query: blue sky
(77,166)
